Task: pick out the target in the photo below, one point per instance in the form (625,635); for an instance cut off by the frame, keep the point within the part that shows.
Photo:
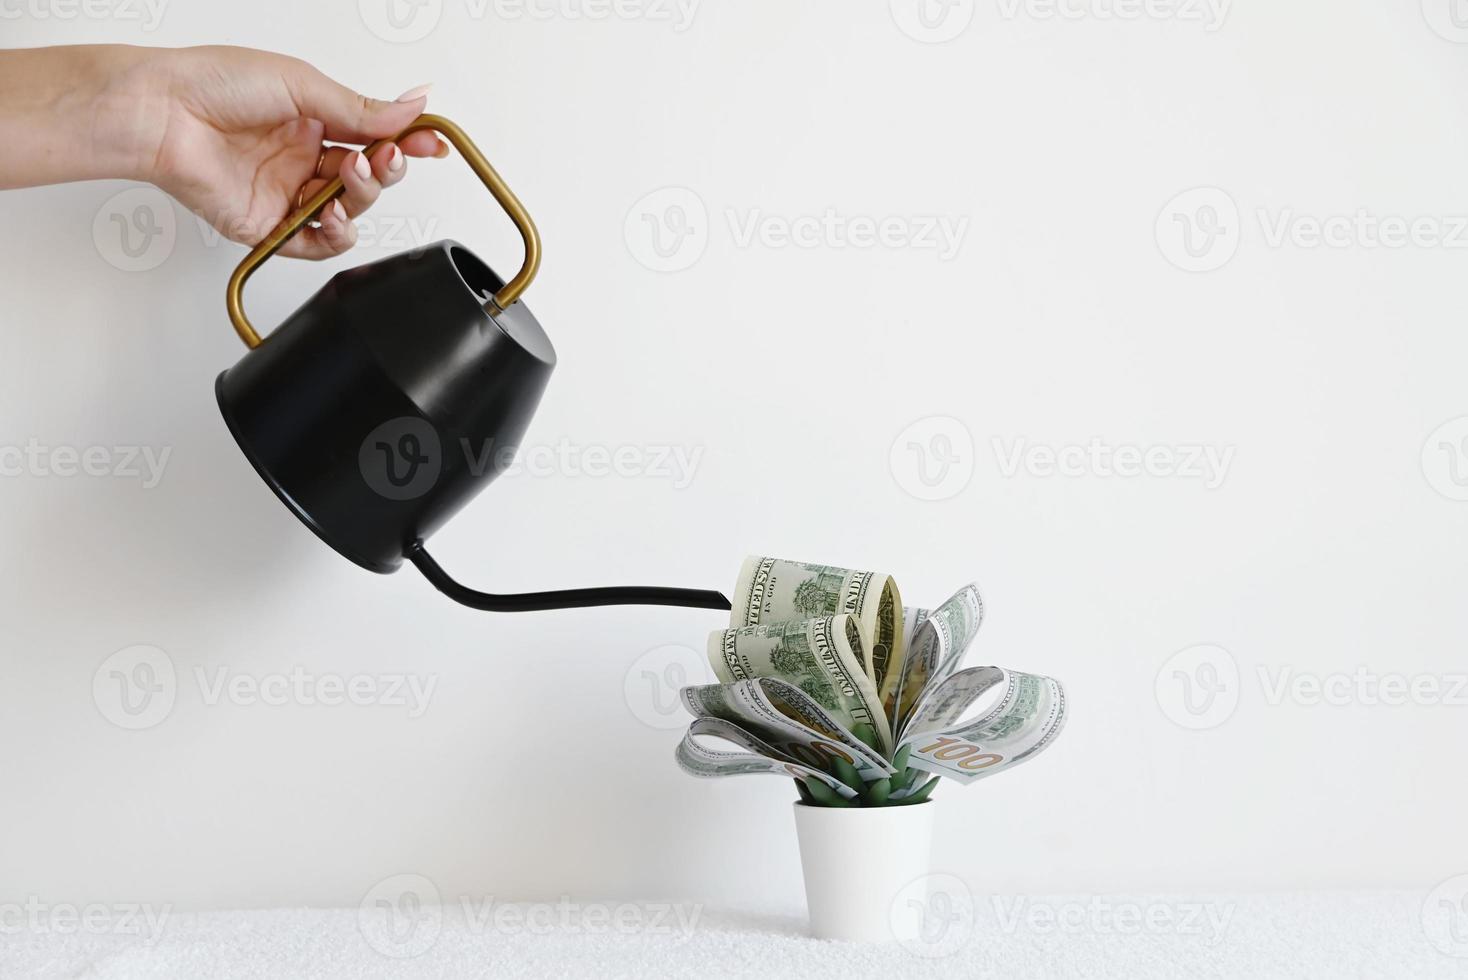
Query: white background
(1333,542)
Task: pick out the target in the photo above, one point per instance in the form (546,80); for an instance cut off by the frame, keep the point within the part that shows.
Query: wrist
(127,103)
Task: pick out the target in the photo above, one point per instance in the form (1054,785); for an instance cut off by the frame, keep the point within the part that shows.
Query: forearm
(83,112)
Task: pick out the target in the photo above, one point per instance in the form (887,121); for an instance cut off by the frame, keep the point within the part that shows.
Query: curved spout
(567,599)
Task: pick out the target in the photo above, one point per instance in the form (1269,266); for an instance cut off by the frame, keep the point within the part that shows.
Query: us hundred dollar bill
(773,590)
(938,643)
(1027,715)
(781,715)
(759,757)
(822,657)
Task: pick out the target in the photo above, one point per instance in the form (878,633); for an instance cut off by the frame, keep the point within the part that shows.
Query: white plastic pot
(861,865)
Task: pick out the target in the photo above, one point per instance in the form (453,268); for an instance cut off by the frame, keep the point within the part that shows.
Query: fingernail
(338,212)
(442,151)
(363,168)
(413,94)
(395,159)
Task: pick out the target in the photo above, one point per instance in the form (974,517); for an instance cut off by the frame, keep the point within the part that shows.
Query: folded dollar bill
(825,677)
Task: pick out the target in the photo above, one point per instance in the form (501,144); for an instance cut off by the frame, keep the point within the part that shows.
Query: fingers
(336,235)
(420,144)
(389,165)
(363,179)
(362,183)
(361,186)
(349,117)
(424,144)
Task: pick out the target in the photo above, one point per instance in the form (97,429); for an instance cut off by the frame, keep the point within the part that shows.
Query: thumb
(353,118)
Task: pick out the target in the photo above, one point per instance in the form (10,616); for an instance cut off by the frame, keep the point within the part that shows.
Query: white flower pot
(861,865)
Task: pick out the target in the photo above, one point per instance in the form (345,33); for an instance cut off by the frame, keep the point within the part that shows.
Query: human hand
(236,135)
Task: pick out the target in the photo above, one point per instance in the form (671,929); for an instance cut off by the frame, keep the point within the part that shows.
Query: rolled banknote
(773,590)
(912,621)
(822,657)
(698,759)
(1027,715)
(792,702)
(784,717)
(939,641)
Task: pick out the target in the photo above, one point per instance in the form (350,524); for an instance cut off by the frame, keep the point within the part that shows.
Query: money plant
(825,677)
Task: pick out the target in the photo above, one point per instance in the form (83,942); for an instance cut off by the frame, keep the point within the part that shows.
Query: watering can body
(389,400)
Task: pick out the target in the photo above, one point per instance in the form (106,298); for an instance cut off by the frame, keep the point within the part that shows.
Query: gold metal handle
(234,296)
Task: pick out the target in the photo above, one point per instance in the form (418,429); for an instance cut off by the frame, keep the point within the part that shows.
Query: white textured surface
(1364,935)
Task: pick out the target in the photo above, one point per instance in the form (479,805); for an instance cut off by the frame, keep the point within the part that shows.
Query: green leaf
(848,774)
(923,793)
(904,779)
(822,794)
(877,791)
(899,761)
(867,734)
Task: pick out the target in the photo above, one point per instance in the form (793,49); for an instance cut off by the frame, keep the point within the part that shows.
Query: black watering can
(397,393)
